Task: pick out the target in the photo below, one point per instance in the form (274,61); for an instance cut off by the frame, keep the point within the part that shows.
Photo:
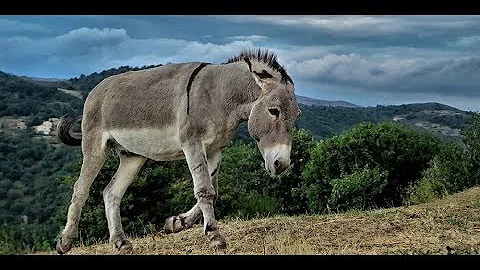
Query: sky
(366,60)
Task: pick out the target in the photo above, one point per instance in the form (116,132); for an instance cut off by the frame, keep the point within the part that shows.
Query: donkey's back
(144,98)
(139,111)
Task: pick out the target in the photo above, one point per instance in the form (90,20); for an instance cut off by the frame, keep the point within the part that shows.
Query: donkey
(179,111)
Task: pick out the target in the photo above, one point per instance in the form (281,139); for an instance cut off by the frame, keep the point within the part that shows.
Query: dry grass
(450,225)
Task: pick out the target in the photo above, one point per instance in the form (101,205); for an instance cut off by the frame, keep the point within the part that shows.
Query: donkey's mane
(265,56)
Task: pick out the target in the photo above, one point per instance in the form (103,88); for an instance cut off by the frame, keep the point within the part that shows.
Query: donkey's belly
(157,144)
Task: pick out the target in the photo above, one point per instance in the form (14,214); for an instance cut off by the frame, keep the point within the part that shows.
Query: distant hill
(44,99)
(42,79)
(27,97)
(438,119)
(321,102)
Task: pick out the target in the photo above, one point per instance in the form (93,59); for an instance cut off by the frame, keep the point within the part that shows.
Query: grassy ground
(449,225)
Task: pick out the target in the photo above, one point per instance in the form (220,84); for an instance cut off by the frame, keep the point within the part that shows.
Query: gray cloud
(14,27)
(472,42)
(363,31)
(251,38)
(362,25)
(87,50)
(364,59)
(429,75)
(84,40)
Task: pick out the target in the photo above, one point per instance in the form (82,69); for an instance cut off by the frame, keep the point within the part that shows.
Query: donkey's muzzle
(279,166)
(277,158)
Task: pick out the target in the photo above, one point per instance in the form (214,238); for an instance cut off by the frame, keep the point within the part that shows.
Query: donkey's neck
(240,112)
(242,92)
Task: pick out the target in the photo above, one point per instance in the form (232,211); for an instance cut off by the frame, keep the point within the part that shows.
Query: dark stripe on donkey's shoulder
(190,81)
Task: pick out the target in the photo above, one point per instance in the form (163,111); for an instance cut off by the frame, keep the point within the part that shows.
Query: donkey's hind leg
(113,194)
(183,221)
(93,160)
(186,220)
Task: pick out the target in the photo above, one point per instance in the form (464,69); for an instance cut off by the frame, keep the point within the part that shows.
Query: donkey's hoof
(218,242)
(124,246)
(64,246)
(173,225)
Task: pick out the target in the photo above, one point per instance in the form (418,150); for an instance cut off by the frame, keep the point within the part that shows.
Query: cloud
(8,26)
(87,50)
(354,55)
(333,24)
(386,29)
(251,38)
(466,42)
(84,40)
(391,74)
(357,22)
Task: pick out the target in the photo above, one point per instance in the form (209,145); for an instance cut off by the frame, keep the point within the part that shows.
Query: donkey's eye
(274,111)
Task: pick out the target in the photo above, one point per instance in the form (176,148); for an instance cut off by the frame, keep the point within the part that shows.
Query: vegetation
(371,164)
(344,159)
(24,98)
(30,189)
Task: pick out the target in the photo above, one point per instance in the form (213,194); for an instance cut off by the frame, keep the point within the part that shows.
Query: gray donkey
(179,111)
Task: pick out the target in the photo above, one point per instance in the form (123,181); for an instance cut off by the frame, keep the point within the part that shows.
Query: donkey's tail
(65,133)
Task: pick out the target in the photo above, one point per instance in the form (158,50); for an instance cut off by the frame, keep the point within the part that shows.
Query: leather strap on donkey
(190,81)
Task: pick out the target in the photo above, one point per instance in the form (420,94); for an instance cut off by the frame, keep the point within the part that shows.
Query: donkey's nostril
(276,163)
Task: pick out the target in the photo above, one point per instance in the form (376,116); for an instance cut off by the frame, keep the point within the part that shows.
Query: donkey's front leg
(204,191)
(186,220)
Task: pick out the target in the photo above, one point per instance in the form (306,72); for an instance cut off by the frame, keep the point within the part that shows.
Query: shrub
(430,187)
(472,142)
(396,151)
(453,169)
(254,204)
(357,190)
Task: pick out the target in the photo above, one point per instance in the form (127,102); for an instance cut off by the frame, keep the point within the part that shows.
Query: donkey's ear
(261,78)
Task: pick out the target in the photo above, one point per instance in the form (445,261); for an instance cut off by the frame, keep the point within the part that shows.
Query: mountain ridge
(302,99)
(322,102)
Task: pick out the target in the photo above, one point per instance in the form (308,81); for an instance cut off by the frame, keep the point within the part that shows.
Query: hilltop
(321,102)
(448,225)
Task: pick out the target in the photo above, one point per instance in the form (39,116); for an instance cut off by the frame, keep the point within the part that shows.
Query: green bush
(396,151)
(472,142)
(430,187)
(23,238)
(357,190)
(286,186)
(241,172)
(453,168)
(257,205)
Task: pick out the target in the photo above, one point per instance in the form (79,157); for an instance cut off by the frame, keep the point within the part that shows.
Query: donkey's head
(273,115)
